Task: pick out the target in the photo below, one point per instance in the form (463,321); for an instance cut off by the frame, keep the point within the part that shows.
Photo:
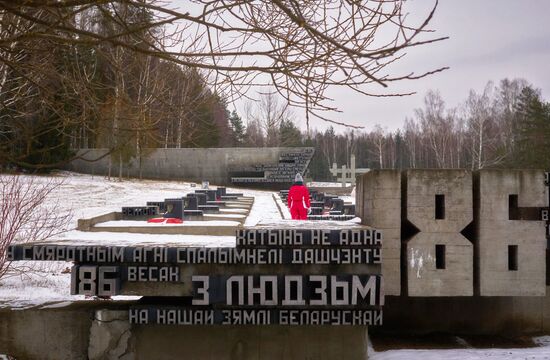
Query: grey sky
(489,40)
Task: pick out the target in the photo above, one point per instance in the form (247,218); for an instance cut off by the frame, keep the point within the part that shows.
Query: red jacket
(298,195)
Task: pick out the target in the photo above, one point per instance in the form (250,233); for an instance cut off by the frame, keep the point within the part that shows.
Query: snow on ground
(87,196)
(264,208)
(542,351)
(103,238)
(320,184)
(140,223)
(48,285)
(283,208)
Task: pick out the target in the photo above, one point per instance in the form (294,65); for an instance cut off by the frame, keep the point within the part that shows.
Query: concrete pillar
(497,234)
(378,201)
(439,258)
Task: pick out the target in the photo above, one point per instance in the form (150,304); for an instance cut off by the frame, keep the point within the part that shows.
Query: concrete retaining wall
(97,330)
(469,315)
(198,164)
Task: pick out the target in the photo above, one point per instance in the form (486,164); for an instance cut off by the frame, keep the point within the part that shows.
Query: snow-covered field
(86,196)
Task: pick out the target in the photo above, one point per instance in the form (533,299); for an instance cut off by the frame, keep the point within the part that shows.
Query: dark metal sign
(195,316)
(331,255)
(274,276)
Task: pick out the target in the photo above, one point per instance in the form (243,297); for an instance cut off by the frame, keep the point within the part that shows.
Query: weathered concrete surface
(495,231)
(378,203)
(109,336)
(86,224)
(198,164)
(250,343)
(46,333)
(86,331)
(482,315)
(423,278)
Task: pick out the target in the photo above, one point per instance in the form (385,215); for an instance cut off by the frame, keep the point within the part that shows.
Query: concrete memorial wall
(458,232)
(265,167)
(279,174)
(474,242)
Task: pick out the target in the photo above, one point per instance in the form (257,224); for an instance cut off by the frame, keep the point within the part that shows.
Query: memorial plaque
(337,204)
(331,217)
(159,204)
(210,194)
(221,191)
(139,211)
(174,208)
(349,209)
(274,276)
(283,172)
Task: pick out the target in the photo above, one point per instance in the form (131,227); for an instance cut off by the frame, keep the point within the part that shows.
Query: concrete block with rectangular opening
(510,232)
(439,205)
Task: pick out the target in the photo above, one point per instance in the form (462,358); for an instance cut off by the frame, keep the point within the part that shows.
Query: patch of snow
(283,208)
(137,223)
(234,210)
(535,353)
(48,284)
(462,342)
(105,238)
(264,208)
(229,216)
(57,305)
(540,352)
(542,341)
(320,184)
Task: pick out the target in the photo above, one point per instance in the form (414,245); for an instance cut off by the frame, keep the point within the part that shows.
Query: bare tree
(437,125)
(481,116)
(411,140)
(254,135)
(302,48)
(269,113)
(378,138)
(24,214)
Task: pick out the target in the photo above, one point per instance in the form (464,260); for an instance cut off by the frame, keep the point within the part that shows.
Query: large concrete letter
(439,257)
(378,204)
(510,233)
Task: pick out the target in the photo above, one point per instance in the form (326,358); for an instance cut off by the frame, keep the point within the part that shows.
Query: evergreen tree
(318,167)
(289,134)
(533,124)
(238,129)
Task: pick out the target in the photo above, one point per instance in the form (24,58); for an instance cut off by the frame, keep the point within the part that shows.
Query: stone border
(245,202)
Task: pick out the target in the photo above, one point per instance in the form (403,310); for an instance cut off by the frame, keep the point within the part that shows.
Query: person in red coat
(298,199)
